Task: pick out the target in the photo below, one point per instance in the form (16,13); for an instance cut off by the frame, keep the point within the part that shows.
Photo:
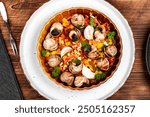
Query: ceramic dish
(34,72)
(148,54)
(74,58)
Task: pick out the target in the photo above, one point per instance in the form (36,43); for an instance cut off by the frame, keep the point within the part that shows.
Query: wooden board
(137,12)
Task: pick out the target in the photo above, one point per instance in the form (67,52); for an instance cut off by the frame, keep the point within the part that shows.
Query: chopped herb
(43,53)
(56,72)
(77,62)
(111,35)
(99,75)
(84,44)
(92,23)
(86,47)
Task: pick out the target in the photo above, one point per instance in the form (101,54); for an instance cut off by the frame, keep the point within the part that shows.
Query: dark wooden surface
(137,12)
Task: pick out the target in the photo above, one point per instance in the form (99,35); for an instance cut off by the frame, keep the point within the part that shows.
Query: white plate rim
(111,93)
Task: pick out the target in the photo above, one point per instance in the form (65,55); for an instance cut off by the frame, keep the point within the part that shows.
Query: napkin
(9,88)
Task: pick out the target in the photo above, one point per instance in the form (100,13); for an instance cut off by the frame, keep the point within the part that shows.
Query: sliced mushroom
(88,32)
(50,44)
(67,77)
(78,20)
(88,73)
(56,29)
(75,68)
(111,51)
(103,64)
(54,60)
(74,34)
(94,53)
(80,80)
(65,50)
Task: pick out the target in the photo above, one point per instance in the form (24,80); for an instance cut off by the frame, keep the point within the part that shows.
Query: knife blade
(3,12)
(5,18)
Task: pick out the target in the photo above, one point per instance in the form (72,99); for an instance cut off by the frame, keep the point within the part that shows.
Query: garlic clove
(88,73)
(65,50)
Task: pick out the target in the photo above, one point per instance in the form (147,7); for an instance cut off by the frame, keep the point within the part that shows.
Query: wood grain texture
(137,12)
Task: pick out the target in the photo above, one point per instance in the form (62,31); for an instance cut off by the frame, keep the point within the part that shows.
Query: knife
(12,41)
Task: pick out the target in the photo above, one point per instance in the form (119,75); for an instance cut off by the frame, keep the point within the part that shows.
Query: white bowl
(36,76)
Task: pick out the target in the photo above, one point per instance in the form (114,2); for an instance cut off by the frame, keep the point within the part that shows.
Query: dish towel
(9,88)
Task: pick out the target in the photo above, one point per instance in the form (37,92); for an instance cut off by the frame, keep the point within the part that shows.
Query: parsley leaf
(111,35)
(92,23)
(99,75)
(77,62)
(56,72)
(43,53)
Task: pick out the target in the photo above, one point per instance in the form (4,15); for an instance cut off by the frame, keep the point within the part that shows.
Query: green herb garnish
(84,44)
(86,47)
(43,53)
(111,35)
(92,23)
(56,72)
(99,75)
(77,62)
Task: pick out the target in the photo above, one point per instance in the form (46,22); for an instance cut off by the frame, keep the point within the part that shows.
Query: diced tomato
(111,60)
(69,58)
(63,36)
(86,20)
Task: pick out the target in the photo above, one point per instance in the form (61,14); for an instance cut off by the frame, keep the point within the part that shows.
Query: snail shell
(67,77)
(74,34)
(111,51)
(103,64)
(77,20)
(54,60)
(94,53)
(75,69)
(50,44)
(56,29)
(80,80)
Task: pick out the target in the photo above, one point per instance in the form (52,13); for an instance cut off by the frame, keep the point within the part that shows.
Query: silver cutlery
(5,19)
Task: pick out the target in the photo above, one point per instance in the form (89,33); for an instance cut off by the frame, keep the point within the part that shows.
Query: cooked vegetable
(43,53)
(84,44)
(92,23)
(99,75)
(77,62)
(56,72)
(79,50)
(111,35)
(86,47)
(65,22)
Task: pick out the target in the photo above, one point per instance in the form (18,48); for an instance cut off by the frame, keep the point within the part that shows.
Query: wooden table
(137,12)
